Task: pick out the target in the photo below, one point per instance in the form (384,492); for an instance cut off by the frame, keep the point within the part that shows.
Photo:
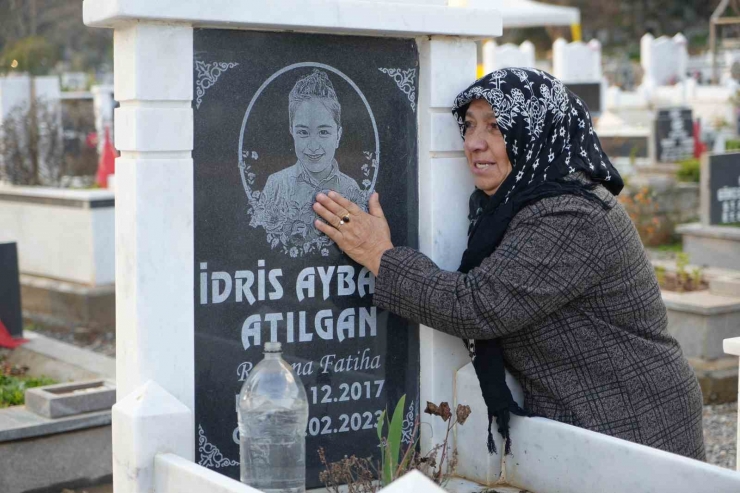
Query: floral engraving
(407,427)
(208,74)
(406,82)
(210,455)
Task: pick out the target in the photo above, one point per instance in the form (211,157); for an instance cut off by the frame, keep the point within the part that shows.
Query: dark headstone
(590,93)
(260,262)
(10,290)
(724,188)
(674,135)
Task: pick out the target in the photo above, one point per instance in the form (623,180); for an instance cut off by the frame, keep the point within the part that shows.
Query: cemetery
(180,253)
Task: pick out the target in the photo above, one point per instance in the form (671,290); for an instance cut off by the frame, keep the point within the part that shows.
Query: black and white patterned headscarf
(547,129)
(549,135)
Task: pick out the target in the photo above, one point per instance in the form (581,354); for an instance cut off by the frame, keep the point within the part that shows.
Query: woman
(554,283)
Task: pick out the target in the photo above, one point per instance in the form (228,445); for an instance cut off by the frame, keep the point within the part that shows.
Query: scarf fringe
(491,442)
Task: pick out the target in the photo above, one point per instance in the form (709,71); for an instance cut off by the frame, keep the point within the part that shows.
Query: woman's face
(315,135)
(485,147)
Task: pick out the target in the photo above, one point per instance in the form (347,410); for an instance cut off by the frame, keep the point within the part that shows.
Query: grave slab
(73,459)
(65,399)
(700,321)
(715,246)
(61,361)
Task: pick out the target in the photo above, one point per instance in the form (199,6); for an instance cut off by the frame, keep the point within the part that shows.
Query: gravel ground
(720,434)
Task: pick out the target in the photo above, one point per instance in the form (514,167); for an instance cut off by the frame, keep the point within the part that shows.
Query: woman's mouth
(483,165)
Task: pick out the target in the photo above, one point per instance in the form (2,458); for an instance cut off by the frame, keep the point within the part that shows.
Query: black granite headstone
(674,135)
(280,117)
(590,93)
(10,290)
(724,188)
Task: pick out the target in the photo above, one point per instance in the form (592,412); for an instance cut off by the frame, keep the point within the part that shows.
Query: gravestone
(578,65)
(674,135)
(590,93)
(715,241)
(724,189)
(278,118)
(10,290)
(508,55)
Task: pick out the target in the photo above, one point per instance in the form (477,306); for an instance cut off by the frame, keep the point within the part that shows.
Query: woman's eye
(493,126)
(302,133)
(324,133)
(467,126)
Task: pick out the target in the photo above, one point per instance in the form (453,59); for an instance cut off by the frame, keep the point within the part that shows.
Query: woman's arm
(543,263)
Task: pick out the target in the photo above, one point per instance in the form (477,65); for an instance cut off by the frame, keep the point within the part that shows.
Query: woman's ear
(339,137)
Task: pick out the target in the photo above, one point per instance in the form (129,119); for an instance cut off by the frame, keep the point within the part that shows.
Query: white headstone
(508,55)
(577,61)
(103,105)
(664,60)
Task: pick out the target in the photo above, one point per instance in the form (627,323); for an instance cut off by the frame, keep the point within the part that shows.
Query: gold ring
(345,219)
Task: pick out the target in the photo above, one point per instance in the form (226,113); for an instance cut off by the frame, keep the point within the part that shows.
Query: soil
(672,282)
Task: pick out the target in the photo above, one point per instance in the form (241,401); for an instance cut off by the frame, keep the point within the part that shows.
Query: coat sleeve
(544,262)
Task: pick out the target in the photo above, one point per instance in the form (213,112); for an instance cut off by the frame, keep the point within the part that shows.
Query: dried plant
(654,228)
(358,474)
(681,280)
(439,463)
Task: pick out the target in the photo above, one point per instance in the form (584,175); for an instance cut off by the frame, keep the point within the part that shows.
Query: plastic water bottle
(273,415)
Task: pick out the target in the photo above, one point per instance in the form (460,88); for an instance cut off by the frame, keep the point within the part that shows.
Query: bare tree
(31,145)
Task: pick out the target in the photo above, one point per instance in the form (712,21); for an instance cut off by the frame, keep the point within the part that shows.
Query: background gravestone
(724,189)
(674,135)
(262,270)
(10,290)
(590,93)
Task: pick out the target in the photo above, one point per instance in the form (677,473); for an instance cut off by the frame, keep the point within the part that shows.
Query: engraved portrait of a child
(285,203)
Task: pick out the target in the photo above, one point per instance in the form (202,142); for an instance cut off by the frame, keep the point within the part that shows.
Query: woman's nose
(475,142)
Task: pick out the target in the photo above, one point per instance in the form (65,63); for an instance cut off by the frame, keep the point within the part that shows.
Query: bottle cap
(273,347)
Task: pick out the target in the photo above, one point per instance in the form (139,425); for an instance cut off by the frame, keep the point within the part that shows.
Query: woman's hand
(364,237)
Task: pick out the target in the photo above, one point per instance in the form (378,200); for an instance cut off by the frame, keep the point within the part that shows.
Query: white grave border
(153,50)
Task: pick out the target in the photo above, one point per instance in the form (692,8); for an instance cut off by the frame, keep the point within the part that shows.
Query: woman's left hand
(362,236)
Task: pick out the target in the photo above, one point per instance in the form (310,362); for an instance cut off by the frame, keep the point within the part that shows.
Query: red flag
(107,164)
(6,340)
(699,146)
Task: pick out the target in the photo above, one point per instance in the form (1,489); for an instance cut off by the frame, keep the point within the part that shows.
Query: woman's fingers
(328,230)
(325,213)
(332,205)
(351,207)
(374,206)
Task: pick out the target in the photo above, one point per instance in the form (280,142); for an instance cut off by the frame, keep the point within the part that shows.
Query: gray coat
(576,304)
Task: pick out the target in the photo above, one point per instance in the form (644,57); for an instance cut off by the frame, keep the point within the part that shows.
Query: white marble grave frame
(153,50)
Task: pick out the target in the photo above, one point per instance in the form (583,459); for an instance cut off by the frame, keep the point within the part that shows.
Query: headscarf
(548,135)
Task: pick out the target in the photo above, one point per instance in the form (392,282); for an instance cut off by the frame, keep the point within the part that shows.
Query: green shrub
(688,170)
(13,388)
(732,145)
